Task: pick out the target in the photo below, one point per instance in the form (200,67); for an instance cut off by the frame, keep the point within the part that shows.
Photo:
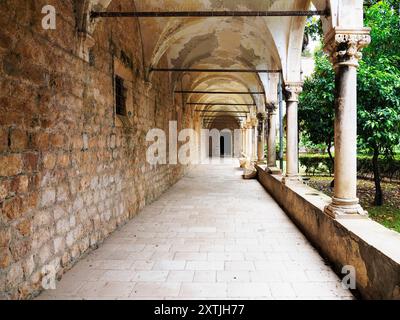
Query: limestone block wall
(69,175)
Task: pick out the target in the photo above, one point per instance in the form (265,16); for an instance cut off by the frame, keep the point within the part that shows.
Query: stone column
(250,141)
(247,149)
(272,135)
(254,140)
(246,140)
(261,136)
(243,131)
(344,47)
(293,91)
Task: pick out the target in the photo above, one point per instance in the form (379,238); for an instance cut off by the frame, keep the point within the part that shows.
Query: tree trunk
(377,178)
(331,156)
(332,161)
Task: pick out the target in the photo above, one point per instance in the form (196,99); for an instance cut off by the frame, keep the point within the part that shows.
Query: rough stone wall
(68,176)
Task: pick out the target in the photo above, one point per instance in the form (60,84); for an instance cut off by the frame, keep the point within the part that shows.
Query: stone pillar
(246,149)
(254,140)
(250,141)
(344,47)
(246,141)
(293,91)
(243,132)
(261,136)
(272,136)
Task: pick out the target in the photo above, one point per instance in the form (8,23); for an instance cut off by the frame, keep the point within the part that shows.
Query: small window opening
(120,96)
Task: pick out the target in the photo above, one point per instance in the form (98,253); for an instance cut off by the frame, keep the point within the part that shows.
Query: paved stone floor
(211,236)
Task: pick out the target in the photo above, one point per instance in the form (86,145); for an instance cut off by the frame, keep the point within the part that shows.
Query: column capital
(293,90)
(344,46)
(253,122)
(271,107)
(262,116)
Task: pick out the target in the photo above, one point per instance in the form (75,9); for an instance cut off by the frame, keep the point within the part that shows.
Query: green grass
(387,216)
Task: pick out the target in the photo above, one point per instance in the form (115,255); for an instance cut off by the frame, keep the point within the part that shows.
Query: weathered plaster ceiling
(241,43)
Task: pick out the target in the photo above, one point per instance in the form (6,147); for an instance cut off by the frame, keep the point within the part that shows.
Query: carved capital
(254,122)
(293,90)
(261,116)
(271,108)
(344,46)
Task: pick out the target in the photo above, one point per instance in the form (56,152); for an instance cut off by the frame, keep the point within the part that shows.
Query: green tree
(313,31)
(316,104)
(378,90)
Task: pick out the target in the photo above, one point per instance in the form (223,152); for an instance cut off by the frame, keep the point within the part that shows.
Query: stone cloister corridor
(104,108)
(204,240)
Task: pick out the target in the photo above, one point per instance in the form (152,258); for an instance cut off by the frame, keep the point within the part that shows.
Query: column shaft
(292,129)
(346,134)
(261,137)
(243,150)
(254,144)
(272,139)
(245,141)
(292,161)
(249,142)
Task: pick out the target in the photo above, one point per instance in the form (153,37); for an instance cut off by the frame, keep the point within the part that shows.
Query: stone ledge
(372,249)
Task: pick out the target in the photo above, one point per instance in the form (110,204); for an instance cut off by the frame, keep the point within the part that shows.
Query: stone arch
(168,36)
(261,42)
(241,83)
(175,31)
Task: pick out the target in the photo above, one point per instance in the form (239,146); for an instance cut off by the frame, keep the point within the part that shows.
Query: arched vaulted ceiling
(272,43)
(209,43)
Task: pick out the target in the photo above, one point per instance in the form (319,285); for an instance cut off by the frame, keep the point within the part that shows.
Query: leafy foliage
(313,32)
(378,91)
(316,164)
(379,88)
(319,164)
(379,82)
(395,4)
(316,111)
(314,28)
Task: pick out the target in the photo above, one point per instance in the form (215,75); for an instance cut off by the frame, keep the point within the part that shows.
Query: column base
(244,162)
(291,178)
(272,164)
(273,170)
(345,209)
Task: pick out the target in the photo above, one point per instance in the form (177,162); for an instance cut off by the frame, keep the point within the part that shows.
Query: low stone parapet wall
(373,250)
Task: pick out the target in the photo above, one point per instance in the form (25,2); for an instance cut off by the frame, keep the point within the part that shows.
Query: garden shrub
(320,164)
